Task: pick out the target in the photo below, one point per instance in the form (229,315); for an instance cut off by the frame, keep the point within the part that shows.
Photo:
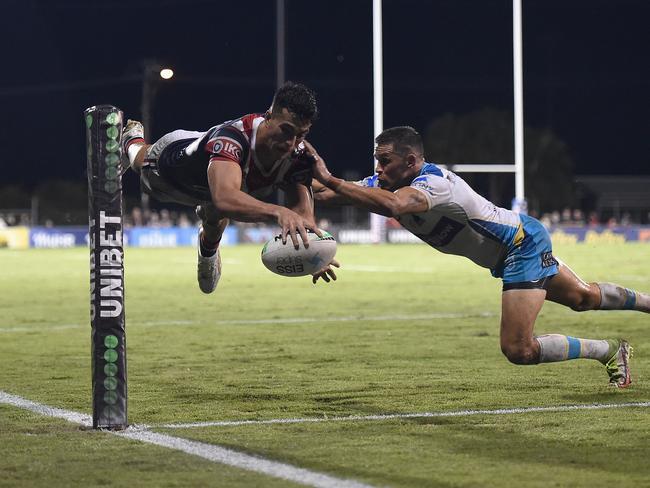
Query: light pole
(152,72)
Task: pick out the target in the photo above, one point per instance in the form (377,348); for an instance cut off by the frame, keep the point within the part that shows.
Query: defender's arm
(406,200)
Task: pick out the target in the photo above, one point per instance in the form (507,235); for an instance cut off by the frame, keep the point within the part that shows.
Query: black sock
(207,252)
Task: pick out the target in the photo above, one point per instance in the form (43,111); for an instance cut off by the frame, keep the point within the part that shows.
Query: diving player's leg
(568,289)
(134,147)
(211,231)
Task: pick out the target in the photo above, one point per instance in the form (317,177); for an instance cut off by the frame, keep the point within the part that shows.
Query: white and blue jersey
(459,221)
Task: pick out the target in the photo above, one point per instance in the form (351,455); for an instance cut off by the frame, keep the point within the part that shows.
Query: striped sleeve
(228,144)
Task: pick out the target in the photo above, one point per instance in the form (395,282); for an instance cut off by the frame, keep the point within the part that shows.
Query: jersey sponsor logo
(548,260)
(422,184)
(225,147)
(443,233)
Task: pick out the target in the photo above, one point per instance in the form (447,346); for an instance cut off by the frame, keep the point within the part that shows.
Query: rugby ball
(286,260)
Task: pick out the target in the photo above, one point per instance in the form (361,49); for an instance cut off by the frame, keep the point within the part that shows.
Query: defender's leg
(567,288)
(531,274)
(519,310)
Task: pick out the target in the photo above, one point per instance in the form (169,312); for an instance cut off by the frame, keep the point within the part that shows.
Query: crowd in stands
(11,219)
(577,217)
(573,217)
(137,217)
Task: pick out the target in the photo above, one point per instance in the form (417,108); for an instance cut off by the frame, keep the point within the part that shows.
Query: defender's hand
(319,168)
(326,273)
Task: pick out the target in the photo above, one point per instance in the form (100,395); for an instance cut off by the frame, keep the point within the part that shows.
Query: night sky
(586,72)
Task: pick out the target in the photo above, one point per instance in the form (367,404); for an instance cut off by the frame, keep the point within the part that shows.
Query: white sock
(616,297)
(133,150)
(557,347)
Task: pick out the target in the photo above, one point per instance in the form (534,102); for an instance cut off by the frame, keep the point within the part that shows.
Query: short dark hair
(403,139)
(297,99)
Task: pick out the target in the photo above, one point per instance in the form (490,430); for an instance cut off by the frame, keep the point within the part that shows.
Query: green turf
(195,357)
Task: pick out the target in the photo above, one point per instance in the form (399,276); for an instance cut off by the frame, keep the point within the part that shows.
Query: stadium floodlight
(166,73)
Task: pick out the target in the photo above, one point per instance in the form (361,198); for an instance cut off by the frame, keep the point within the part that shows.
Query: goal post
(519,204)
(108,334)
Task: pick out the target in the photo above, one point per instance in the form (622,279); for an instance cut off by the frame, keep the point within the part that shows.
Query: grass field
(405,330)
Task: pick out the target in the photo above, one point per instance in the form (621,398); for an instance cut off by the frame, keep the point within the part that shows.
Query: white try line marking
(293,320)
(210,452)
(457,413)
(368,268)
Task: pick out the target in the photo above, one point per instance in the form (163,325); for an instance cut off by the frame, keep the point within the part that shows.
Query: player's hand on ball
(327,273)
(295,227)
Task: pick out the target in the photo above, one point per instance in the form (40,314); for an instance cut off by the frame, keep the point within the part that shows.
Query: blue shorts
(530,263)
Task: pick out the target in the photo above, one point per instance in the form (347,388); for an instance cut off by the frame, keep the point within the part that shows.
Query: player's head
(299,100)
(290,117)
(399,153)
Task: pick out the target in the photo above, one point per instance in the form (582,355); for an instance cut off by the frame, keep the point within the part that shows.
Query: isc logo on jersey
(225,146)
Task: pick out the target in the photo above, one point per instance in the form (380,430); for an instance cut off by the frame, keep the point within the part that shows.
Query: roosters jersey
(184,161)
(459,220)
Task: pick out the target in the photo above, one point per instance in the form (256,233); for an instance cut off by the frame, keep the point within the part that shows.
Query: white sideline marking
(74,417)
(297,320)
(257,464)
(240,460)
(42,329)
(366,268)
(210,452)
(457,413)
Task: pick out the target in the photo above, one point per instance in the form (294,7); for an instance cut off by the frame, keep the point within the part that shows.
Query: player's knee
(209,215)
(588,299)
(520,353)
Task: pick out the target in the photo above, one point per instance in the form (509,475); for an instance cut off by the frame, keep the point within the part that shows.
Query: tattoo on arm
(416,198)
(413,201)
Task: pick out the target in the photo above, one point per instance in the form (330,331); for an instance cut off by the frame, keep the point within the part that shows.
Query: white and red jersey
(184,162)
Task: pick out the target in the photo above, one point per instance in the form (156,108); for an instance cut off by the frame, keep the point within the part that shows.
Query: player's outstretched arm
(406,200)
(328,197)
(225,177)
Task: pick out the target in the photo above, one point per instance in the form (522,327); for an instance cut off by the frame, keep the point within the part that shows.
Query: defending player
(224,170)
(441,209)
